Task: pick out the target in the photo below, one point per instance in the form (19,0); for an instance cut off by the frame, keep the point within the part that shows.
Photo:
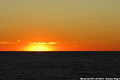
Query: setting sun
(39,48)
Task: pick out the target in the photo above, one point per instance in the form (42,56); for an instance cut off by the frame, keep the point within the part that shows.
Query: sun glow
(39,48)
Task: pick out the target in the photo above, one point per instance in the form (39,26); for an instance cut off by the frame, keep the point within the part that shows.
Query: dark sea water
(58,65)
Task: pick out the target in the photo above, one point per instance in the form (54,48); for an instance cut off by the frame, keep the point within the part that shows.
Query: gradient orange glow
(65,25)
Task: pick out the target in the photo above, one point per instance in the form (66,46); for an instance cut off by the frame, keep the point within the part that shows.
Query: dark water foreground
(58,65)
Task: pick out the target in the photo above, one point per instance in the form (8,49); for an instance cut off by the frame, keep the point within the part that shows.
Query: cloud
(5,42)
(42,43)
(52,43)
(18,41)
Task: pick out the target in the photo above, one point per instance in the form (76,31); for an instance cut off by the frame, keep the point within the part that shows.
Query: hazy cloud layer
(8,42)
(5,42)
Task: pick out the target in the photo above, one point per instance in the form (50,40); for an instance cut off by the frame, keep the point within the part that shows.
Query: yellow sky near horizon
(94,24)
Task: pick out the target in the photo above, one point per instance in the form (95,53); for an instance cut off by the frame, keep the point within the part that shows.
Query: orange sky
(74,25)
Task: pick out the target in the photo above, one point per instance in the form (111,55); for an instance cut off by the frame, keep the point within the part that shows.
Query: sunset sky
(60,25)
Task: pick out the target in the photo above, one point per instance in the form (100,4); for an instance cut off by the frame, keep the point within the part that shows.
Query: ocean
(60,65)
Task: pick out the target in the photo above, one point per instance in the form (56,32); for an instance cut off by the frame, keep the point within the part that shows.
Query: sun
(38,48)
